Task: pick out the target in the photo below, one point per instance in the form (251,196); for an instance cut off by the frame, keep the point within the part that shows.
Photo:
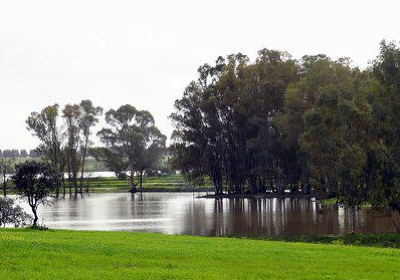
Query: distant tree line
(15,153)
(280,124)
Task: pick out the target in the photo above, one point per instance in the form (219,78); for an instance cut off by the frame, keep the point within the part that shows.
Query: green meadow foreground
(29,254)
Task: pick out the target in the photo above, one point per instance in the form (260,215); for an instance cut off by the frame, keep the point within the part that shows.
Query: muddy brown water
(184,213)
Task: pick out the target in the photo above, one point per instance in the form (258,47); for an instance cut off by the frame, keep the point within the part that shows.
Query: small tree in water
(35,181)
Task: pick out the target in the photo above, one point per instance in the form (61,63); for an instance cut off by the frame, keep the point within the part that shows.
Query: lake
(183,213)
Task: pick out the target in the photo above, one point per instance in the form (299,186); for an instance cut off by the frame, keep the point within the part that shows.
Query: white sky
(146,52)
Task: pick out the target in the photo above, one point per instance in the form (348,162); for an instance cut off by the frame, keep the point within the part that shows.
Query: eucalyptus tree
(318,73)
(71,115)
(88,119)
(386,101)
(130,134)
(151,153)
(329,120)
(225,122)
(45,126)
(197,148)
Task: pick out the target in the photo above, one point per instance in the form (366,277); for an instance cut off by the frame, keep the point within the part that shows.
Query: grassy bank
(27,254)
(171,183)
(383,240)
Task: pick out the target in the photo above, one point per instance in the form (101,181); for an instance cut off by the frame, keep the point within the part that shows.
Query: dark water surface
(183,213)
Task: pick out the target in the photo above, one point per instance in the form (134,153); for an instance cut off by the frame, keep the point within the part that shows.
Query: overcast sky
(145,52)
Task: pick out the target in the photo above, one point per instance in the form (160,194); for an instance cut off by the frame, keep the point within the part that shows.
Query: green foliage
(12,214)
(133,142)
(225,122)
(35,181)
(277,124)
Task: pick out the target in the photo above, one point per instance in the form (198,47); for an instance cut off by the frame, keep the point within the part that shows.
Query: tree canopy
(280,124)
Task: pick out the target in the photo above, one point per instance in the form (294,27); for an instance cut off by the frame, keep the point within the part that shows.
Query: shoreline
(260,196)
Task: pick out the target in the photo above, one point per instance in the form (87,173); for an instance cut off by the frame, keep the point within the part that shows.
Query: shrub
(12,214)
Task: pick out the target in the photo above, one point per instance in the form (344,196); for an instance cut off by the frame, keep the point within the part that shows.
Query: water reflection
(182,213)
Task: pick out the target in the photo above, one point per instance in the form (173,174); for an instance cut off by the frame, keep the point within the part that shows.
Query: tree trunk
(305,188)
(132,179)
(395,224)
(4,185)
(87,186)
(74,171)
(36,218)
(63,182)
(253,184)
(83,165)
(58,188)
(352,220)
(70,183)
(141,181)
(280,187)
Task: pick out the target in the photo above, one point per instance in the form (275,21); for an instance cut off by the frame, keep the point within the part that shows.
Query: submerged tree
(337,139)
(45,127)
(225,123)
(130,135)
(71,114)
(385,96)
(35,181)
(88,119)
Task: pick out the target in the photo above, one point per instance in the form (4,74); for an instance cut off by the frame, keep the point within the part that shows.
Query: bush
(12,214)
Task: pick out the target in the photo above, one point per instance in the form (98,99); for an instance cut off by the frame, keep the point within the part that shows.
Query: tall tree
(88,119)
(151,153)
(72,114)
(385,173)
(44,125)
(131,132)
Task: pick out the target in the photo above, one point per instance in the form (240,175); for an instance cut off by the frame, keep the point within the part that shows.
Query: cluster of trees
(282,124)
(132,143)
(65,144)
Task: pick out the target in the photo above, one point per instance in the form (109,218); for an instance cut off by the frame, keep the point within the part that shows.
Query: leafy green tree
(130,134)
(385,170)
(336,137)
(35,181)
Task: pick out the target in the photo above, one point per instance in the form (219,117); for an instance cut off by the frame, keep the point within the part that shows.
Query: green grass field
(29,254)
